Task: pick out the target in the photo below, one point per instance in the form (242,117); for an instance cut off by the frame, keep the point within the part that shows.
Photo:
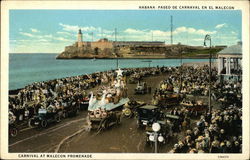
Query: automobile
(141,88)
(195,107)
(44,117)
(169,99)
(72,109)
(165,133)
(84,103)
(129,109)
(148,114)
(132,80)
(102,119)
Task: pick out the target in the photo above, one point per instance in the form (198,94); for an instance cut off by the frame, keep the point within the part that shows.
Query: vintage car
(84,103)
(169,99)
(102,119)
(148,114)
(71,110)
(134,78)
(165,133)
(44,117)
(141,88)
(129,109)
(195,107)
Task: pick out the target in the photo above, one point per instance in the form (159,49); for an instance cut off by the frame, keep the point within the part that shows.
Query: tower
(79,38)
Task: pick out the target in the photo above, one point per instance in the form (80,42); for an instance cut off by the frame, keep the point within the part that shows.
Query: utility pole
(171,26)
(152,34)
(101,33)
(208,37)
(92,34)
(117,62)
(115,34)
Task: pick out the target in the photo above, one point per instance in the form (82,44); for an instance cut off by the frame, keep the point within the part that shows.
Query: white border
(118,5)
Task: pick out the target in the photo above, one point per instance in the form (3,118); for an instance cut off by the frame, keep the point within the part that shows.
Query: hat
(201,151)
(222,131)
(222,144)
(200,138)
(176,145)
(228,143)
(236,143)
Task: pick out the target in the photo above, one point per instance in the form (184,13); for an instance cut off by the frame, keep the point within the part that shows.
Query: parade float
(105,106)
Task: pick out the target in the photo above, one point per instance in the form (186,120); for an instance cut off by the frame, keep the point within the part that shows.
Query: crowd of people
(187,80)
(218,132)
(57,94)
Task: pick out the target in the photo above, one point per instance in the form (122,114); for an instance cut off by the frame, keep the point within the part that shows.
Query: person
(236,147)
(215,147)
(12,117)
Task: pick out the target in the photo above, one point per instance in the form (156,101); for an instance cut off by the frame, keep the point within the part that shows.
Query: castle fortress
(105,44)
(104,48)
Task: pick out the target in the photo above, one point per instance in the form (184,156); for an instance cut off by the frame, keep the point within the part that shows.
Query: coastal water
(25,69)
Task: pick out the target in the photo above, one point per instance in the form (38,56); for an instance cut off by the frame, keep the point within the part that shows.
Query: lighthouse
(79,38)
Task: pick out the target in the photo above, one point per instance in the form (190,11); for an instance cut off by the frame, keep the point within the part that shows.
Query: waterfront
(25,69)
(72,134)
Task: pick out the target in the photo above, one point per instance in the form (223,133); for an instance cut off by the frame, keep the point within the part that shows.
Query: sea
(25,69)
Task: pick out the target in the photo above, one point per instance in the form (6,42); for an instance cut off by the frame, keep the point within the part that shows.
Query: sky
(49,31)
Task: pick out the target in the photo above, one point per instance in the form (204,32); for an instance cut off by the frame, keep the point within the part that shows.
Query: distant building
(105,43)
(230,60)
(79,38)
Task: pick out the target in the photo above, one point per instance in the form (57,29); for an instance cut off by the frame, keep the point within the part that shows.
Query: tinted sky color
(49,31)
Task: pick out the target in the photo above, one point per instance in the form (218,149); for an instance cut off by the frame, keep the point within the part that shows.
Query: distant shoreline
(76,58)
(142,57)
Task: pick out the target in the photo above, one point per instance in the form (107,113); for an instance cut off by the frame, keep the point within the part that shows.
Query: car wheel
(104,125)
(30,123)
(65,115)
(13,132)
(77,112)
(44,123)
(58,118)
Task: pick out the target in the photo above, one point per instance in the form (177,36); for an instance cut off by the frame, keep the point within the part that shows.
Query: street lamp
(208,38)
(154,137)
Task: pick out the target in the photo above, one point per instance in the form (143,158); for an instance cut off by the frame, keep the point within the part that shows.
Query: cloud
(234,33)
(69,27)
(64,33)
(34,30)
(184,29)
(48,36)
(220,25)
(61,39)
(26,34)
(43,38)
(75,28)
(134,31)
